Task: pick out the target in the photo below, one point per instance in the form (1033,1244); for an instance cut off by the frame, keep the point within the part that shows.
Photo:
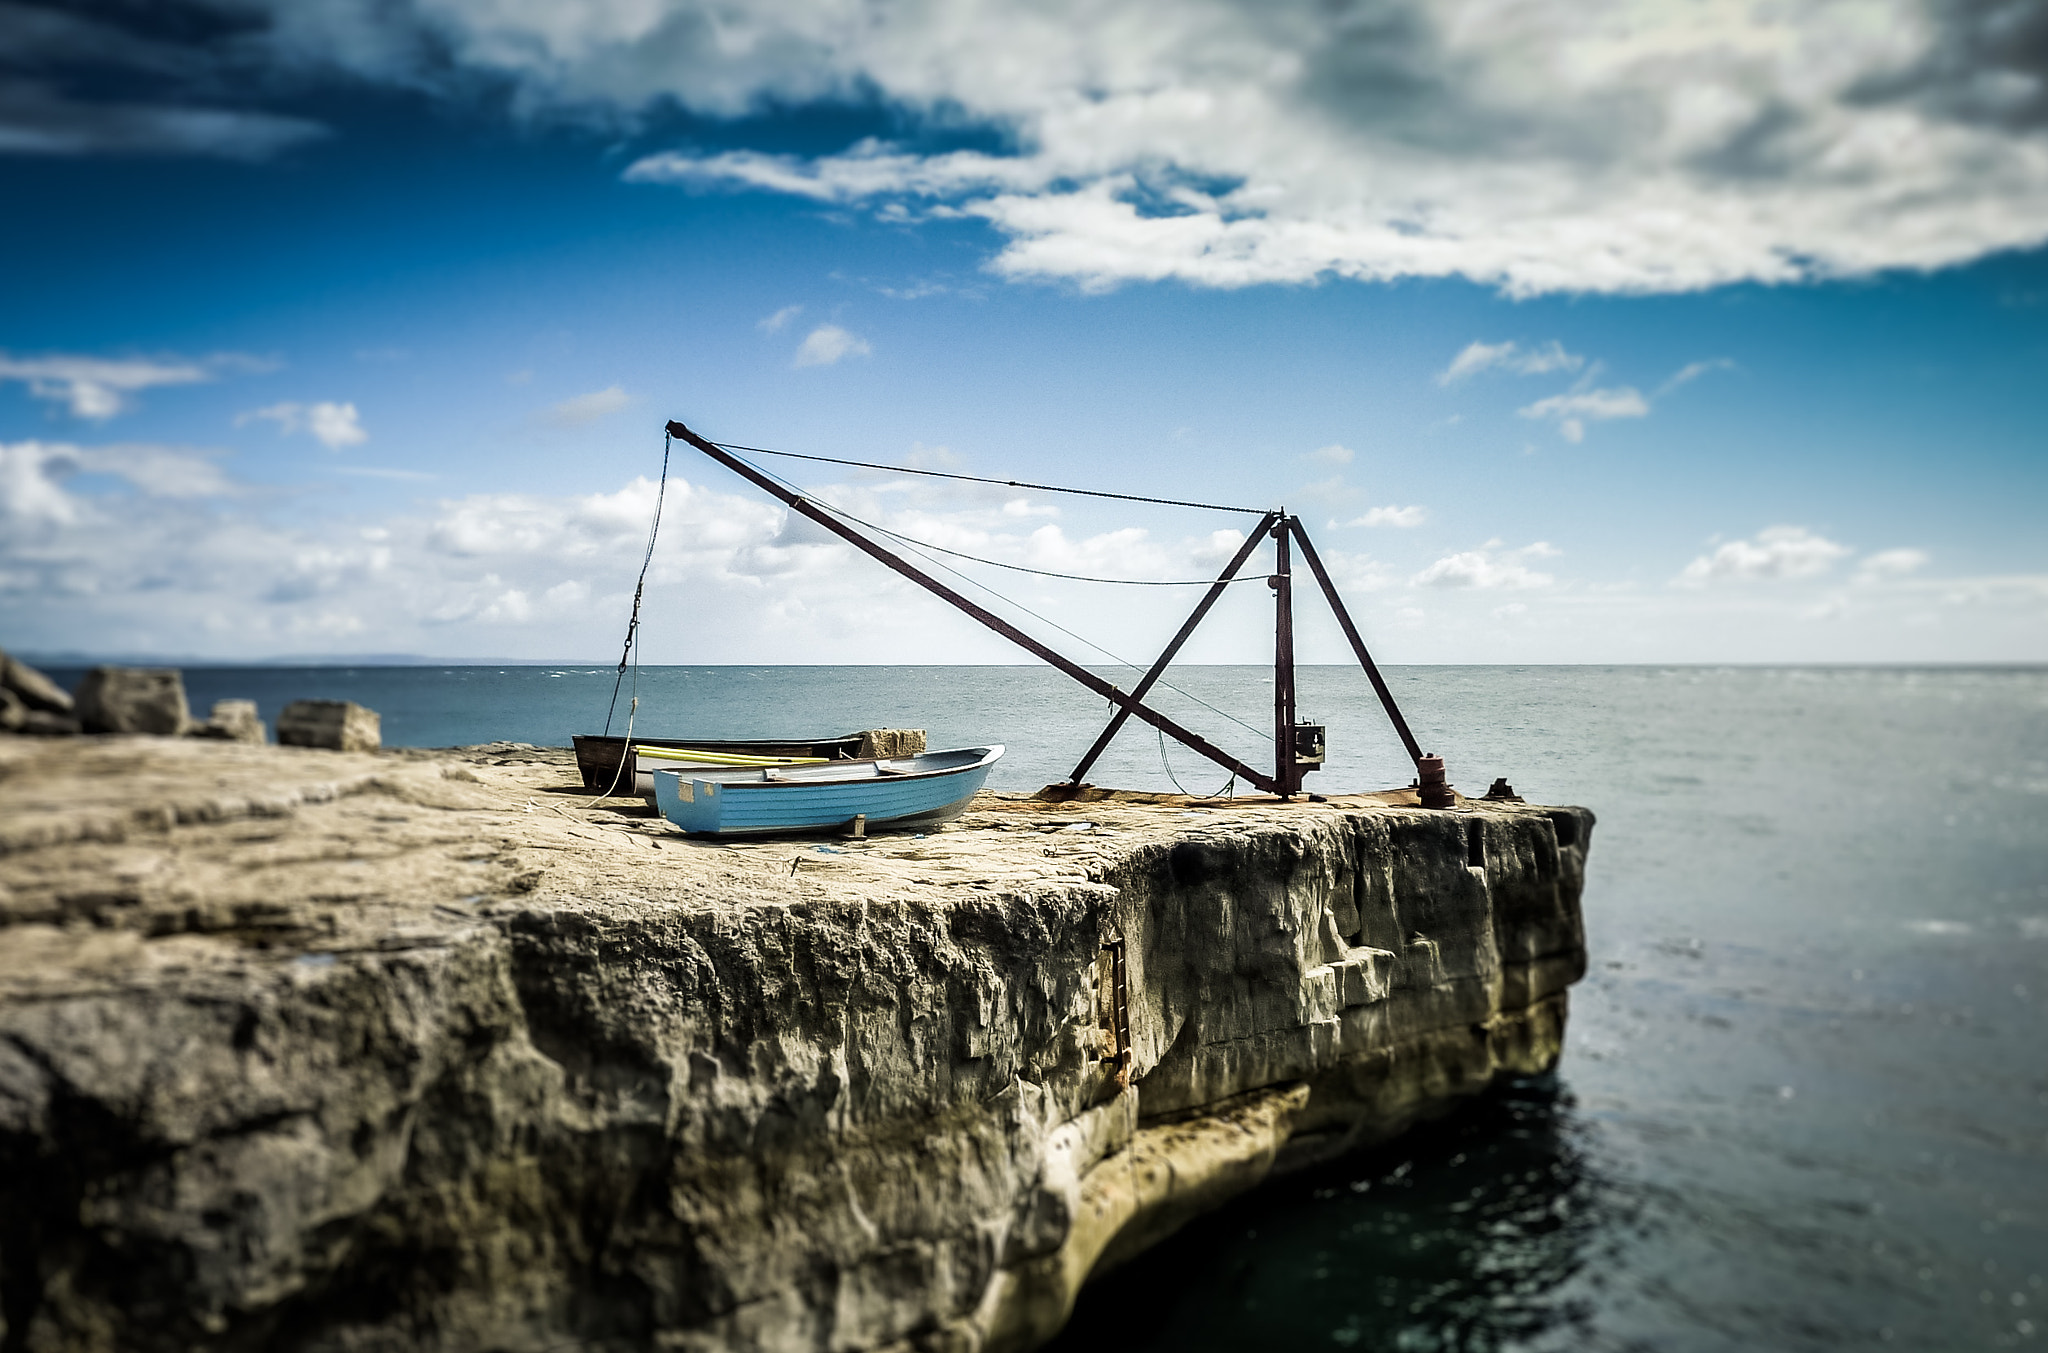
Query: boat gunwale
(990,754)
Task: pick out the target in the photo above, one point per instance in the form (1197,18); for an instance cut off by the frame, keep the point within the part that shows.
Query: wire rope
(1229,788)
(1040,572)
(632,649)
(1010,601)
(1006,483)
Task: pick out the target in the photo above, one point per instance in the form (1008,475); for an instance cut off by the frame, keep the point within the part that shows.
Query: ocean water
(1804,1097)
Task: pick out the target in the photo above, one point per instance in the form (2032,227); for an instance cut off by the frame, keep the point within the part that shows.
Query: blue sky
(1577,333)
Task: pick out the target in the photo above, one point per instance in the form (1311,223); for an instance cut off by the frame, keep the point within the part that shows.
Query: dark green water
(1804,1098)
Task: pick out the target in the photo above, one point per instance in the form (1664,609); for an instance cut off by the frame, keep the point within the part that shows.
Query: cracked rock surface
(315,1050)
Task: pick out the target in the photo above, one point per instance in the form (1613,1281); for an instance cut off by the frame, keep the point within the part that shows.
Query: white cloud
(335,425)
(774,323)
(97,388)
(827,344)
(86,533)
(1333,454)
(1391,516)
(1510,356)
(1486,570)
(1573,411)
(160,471)
(1547,147)
(33,477)
(1887,564)
(1215,549)
(331,424)
(83,563)
(1779,552)
(31,484)
(1544,146)
(1352,573)
(1692,371)
(583,410)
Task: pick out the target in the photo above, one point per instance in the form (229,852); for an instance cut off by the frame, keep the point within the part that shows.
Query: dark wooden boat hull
(598,756)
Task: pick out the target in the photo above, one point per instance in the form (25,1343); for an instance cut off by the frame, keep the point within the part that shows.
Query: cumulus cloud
(31,484)
(97,388)
(827,344)
(1333,454)
(34,477)
(1542,147)
(583,410)
(774,323)
(1583,403)
(86,533)
(333,425)
(1391,516)
(1886,564)
(1510,356)
(145,548)
(1571,412)
(1487,568)
(1779,552)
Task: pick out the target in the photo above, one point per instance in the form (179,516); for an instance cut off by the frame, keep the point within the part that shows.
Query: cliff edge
(331,1051)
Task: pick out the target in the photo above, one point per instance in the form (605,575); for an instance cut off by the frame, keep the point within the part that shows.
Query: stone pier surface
(314,1050)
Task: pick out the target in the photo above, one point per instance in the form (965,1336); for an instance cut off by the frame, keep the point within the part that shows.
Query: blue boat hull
(905,792)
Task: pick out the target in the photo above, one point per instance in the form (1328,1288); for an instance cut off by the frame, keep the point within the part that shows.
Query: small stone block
(338,725)
(883,743)
(133,700)
(233,721)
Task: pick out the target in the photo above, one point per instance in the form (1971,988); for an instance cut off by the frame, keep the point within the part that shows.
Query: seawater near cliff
(323,1051)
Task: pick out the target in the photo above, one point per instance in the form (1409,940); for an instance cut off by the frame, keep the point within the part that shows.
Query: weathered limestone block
(232,721)
(338,725)
(35,691)
(341,1052)
(13,713)
(887,742)
(42,723)
(133,700)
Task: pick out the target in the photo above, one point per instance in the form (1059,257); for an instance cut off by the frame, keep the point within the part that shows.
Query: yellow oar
(699,758)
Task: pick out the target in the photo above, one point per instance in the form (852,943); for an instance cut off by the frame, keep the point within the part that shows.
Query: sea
(1803,1102)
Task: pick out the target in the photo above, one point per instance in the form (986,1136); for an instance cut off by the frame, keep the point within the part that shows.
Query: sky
(1702,332)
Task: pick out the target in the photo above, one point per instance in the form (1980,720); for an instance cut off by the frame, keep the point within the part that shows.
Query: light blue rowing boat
(907,791)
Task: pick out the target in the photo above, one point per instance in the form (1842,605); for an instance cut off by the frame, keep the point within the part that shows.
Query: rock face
(338,725)
(232,721)
(34,690)
(320,1052)
(133,700)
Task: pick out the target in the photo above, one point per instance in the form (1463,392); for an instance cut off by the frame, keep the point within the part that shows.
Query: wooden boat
(889,792)
(597,758)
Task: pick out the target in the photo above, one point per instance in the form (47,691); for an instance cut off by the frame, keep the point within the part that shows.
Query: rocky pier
(331,1050)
